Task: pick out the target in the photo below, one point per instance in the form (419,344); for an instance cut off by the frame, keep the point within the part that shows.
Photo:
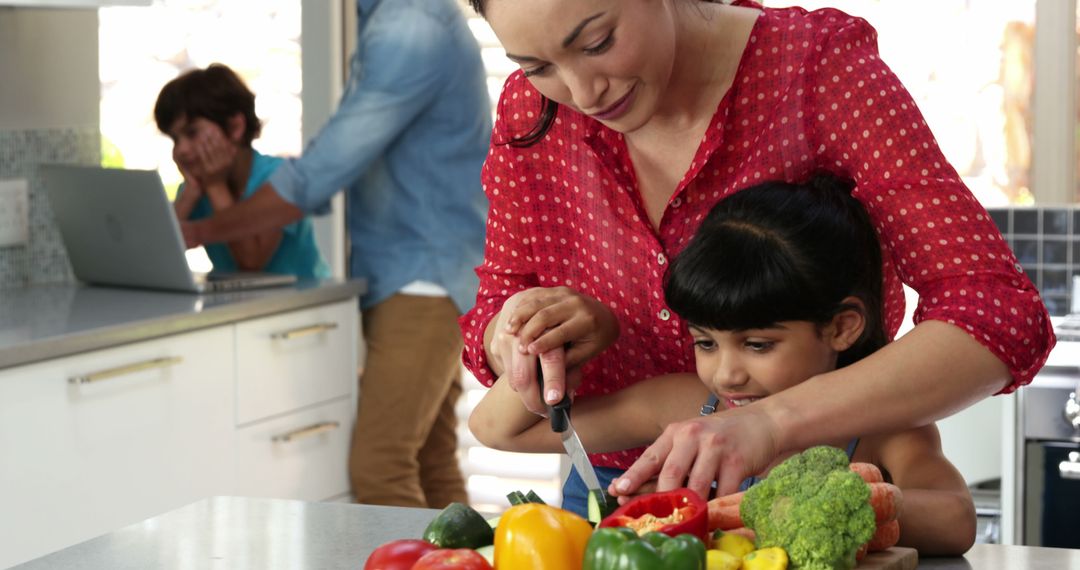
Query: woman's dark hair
(548,108)
(782,252)
(215,93)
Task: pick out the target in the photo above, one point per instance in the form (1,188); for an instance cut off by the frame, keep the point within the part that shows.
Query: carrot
(868,471)
(744,531)
(887,500)
(886,536)
(724,512)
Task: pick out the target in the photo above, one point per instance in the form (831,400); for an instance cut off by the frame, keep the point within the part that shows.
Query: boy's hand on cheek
(217,156)
(192,187)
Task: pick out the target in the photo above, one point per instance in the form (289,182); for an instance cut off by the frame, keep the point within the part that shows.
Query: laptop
(119,229)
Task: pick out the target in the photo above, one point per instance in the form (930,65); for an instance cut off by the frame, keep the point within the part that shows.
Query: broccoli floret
(814,507)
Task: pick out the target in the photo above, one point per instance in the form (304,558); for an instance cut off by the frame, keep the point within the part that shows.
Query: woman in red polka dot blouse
(628,120)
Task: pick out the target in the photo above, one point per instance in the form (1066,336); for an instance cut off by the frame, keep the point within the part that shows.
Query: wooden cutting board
(895,558)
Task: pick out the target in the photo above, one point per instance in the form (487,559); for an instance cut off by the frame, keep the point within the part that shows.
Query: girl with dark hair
(627,122)
(781,282)
(210,116)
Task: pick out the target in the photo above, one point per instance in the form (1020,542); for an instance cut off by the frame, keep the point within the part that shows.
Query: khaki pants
(404,447)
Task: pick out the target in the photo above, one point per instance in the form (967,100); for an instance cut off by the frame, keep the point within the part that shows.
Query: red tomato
(446,558)
(398,555)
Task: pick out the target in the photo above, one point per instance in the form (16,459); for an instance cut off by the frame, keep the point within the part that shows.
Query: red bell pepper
(672,512)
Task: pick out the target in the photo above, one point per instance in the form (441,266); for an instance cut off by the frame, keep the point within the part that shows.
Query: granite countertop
(238,533)
(49,321)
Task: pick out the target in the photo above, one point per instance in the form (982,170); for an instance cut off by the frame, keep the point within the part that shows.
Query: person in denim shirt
(408,140)
(210,116)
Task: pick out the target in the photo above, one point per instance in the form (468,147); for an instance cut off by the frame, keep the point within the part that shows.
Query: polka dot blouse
(810,93)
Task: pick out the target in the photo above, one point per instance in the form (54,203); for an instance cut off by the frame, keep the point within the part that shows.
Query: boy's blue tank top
(710,407)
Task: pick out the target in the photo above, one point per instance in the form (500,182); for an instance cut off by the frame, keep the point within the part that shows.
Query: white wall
(972,440)
(48,69)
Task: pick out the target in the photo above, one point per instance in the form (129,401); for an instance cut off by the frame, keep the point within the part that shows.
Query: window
(968,66)
(491,474)
(144,48)
(141,49)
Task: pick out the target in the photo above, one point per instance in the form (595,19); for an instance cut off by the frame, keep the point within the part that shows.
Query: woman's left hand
(725,448)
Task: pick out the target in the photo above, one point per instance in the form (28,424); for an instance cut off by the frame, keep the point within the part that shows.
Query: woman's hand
(725,448)
(541,323)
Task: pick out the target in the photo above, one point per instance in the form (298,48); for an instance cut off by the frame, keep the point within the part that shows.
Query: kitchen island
(237,533)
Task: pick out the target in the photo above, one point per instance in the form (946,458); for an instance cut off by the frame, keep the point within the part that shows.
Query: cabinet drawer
(93,442)
(303,455)
(289,361)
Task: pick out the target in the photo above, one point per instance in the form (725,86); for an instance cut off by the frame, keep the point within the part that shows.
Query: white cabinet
(287,361)
(303,455)
(96,441)
(295,381)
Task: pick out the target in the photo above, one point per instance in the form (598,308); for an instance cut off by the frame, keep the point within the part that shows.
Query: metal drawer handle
(304,331)
(308,431)
(126,369)
(1070,468)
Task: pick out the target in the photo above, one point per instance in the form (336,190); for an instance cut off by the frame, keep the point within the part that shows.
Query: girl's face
(610,59)
(743,366)
(191,135)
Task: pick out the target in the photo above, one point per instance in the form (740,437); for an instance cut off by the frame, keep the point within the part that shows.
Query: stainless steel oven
(1049,459)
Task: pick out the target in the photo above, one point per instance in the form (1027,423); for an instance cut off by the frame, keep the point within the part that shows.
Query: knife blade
(560,424)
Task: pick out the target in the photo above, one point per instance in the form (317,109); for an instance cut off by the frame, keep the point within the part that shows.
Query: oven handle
(1070,468)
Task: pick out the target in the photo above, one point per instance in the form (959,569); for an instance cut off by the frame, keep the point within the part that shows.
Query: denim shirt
(408,140)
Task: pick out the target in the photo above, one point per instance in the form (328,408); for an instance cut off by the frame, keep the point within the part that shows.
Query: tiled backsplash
(42,259)
(1047,244)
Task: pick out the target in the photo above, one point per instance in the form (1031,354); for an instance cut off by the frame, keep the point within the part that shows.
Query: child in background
(780,283)
(210,116)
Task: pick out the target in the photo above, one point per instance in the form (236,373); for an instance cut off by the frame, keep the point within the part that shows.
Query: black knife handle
(558,413)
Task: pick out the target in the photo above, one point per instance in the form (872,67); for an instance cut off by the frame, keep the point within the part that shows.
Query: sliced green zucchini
(516,498)
(600,505)
(532,497)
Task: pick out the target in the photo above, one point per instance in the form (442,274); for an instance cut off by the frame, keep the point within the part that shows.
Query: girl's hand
(540,323)
(725,448)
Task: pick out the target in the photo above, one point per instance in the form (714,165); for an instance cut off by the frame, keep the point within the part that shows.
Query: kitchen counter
(237,533)
(43,322)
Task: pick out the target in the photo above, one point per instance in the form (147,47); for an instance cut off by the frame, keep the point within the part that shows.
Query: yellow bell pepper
(720,560)
(533,536)
(772,558)
(736,545)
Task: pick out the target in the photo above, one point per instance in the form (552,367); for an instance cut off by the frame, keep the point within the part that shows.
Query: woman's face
(610,59)
(743,366)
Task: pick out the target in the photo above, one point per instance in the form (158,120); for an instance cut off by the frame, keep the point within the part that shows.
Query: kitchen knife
(560,424)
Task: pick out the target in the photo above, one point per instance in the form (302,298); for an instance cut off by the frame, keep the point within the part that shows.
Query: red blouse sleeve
(506,268)
(938,238)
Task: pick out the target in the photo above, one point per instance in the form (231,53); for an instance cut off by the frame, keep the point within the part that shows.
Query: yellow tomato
(720,560)
(772,558)
(735,544)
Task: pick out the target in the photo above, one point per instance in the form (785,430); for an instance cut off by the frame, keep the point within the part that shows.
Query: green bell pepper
(620,548)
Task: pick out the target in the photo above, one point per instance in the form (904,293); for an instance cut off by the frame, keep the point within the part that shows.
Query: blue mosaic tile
(42,259)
